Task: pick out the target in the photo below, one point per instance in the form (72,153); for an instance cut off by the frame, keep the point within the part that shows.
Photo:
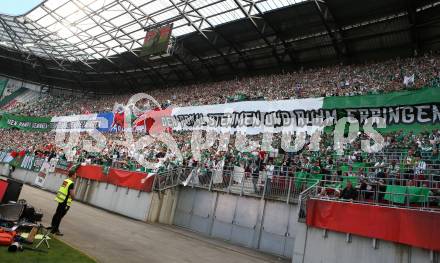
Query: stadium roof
(94,44)
(95,29)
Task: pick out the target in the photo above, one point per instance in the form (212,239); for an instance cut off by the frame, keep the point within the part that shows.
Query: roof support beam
(204,62)
(136,55)
(257,28)
(339,31)
(13,39)
(291,52)
(96,51)
(90,13)
(32,32)
(325,14)
(242,55)
(412,17)
(8,29)
(197,28)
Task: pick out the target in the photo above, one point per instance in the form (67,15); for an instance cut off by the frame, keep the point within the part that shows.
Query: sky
(17,7)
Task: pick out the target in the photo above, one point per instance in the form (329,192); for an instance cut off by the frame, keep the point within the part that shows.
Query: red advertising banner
(92,172)
(3,187)
(133,180)
(410,227)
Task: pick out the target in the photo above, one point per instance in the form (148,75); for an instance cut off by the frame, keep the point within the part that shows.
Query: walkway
(112,238)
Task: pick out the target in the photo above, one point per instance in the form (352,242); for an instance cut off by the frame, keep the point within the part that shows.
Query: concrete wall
(163,207)
(264,225)
(332,247)
(124,201)
(267,226)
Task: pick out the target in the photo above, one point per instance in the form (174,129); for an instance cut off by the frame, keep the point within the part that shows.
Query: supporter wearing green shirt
(435,157)
(315,169)
(306,165)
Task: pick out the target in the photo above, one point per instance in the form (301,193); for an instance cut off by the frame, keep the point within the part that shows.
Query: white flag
(408,80)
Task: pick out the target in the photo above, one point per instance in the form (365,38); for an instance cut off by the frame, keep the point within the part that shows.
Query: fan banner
(9,121)
(417,110)
(252,117)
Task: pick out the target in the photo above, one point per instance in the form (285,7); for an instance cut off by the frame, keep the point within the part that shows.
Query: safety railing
(430,181)
(302,203)
(324,190)
(169,178)
(295,189)
(261,184)
(423,199)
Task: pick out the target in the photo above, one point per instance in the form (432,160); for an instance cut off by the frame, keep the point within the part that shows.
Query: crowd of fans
(337,80)
(406,157)
(414,154)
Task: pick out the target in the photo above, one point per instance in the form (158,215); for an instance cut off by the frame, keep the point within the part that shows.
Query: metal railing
(291,189)
(303,197)
(379,196)
(261,184)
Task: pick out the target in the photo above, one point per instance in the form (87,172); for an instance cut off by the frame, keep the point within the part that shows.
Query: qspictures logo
(142,128)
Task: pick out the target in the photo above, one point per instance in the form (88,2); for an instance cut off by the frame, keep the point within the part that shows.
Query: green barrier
(418,194)
(313,179)
(396,194)
(300,179)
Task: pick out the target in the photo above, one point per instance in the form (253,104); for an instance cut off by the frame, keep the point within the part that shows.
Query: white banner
(218,172)
(252,117)
(238,174)
(69,123)
(41,177)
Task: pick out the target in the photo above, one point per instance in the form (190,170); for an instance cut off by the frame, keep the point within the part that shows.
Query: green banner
(396,194)
(237,97)
(415,110)
(9,121)
(418,194)
(27,162)
(62,164)
(402,98)
(38,162)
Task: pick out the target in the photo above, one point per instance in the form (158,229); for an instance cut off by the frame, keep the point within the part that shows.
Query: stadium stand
(404,174)
(371,78)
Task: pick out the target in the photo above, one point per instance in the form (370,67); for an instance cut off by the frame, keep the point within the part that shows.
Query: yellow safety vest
(63,192)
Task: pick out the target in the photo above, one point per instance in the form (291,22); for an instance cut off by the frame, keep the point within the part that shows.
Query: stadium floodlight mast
(205,133)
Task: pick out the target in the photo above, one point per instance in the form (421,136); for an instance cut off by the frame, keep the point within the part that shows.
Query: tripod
(45,239)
